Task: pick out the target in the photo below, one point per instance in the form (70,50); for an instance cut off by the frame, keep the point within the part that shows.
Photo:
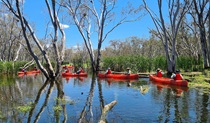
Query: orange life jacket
(159,74)
(109,72)
(178,77)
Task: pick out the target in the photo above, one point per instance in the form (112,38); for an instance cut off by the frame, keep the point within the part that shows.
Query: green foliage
(57,108)
(25,108)
(9,67)
(6,80)
(18,65)
(188,63)
(159,62)
(136,63)
(144,64)
(2,67)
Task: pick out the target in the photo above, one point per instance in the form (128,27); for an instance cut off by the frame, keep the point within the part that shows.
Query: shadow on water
(90,99)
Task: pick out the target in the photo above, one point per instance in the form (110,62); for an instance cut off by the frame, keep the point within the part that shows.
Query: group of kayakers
(80,70)
(176,76)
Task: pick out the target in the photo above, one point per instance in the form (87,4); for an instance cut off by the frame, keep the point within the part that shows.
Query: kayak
(29,72)
(68,67)
(64,74)
(169,81)
(118,76)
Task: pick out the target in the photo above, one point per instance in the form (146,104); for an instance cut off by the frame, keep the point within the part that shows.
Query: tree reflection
(88,104)
(60,98)
(61,101)
(190,106)
(37,100)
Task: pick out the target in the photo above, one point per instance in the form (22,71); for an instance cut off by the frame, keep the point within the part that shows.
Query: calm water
(138,101)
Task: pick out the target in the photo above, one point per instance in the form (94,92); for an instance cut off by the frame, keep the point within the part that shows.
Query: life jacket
(67,71)
(81,71)
(109,72)
(178,77)
(159,74)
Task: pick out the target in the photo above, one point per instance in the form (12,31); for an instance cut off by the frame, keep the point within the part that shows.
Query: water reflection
(174,90)
(77,78)
(92,100)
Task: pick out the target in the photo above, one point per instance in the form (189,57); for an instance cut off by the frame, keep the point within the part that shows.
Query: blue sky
(36,12)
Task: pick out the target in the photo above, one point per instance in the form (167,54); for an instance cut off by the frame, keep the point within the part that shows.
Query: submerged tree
(168,35)
(46,67)
(89,19)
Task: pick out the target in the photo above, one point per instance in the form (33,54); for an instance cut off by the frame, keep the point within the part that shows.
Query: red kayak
(65,67)
(170,81)
(29,72)
(119,76)
(64,74)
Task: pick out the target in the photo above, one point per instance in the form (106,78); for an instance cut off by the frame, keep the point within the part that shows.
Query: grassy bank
(12,67)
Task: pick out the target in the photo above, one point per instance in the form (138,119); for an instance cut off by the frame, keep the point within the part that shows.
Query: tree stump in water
(105,111)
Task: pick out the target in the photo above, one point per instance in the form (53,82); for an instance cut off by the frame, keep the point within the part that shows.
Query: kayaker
(108,71)
(159,73)
(23,70)
(177,76)
(67,70)
(128,71)
(80,70)
(35,69)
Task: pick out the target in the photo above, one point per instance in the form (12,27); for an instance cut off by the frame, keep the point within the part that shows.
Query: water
(138,101)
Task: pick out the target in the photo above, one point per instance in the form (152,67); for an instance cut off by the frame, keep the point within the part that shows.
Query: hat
(177,71)
(109,68)
(158,69)
(128,68)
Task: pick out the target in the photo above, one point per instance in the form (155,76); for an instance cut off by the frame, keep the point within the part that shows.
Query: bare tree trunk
(176,14)
(85,15)
(200,21)
(105,110)
(48,69)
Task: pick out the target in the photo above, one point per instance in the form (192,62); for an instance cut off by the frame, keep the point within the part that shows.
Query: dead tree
(200,15)
(48,70)
(177,11)
(86,17)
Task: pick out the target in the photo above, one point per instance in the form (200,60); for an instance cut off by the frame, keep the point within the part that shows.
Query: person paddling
(35,69)
(159,73)
(108,71)
(128,71)
(177,76)
(80,70)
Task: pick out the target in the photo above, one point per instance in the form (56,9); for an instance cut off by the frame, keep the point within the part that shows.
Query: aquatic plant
(25,108)
(57,108)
